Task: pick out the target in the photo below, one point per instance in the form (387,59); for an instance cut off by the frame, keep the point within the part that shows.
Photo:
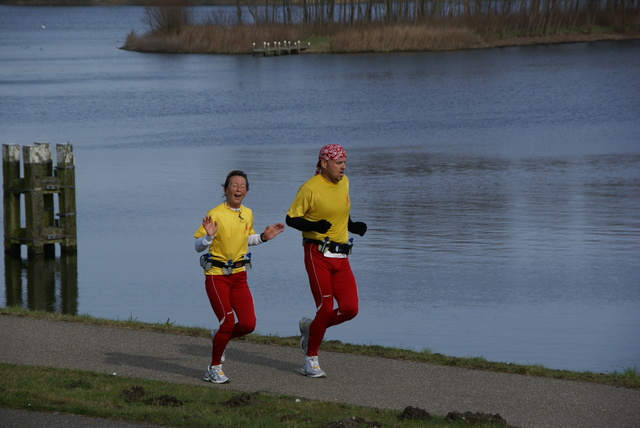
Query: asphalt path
(523,401)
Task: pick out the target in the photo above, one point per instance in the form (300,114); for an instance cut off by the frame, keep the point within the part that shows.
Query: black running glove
(304,225)
(357,227)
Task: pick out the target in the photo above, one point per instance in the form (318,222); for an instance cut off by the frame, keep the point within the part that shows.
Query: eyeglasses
(240,217)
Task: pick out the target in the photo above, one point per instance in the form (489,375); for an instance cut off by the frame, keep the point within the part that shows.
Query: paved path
(522,401)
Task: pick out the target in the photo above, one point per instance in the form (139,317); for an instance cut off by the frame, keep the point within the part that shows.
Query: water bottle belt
(332,247)
(234,265)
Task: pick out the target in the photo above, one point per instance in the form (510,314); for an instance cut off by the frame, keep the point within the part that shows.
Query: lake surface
(501,187)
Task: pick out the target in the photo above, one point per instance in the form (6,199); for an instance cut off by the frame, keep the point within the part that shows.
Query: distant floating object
(44,26)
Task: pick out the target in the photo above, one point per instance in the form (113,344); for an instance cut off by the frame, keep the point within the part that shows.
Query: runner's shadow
(148,363)
(261,358)
(234,354)
(168,365)
(196,350)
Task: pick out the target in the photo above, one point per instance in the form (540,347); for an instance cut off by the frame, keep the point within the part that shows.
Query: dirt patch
(73,384)
(137,394)
(164,400)
(418,414)
(352,422)
(477,418)
(414,413)
(245,399)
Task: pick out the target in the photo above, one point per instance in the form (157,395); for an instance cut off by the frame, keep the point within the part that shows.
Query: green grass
(121,398)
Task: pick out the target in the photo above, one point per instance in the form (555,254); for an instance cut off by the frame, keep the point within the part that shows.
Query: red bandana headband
(330,152)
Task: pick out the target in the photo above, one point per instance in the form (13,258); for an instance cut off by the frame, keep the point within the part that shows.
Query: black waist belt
(235,265)
(332,247)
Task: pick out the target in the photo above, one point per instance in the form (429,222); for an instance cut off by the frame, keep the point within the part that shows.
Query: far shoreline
(474,41)
(500,42)
(248,40)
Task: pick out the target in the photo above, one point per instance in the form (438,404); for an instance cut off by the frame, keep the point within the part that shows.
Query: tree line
(528,17)
(513,17)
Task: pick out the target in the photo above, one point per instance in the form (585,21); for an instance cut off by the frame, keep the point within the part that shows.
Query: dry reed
(403,38)
(215,39)
(344,39)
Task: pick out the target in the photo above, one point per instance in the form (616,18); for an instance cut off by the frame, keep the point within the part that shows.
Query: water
(501,187)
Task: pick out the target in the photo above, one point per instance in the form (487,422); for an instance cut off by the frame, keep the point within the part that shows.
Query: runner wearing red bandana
(321,211)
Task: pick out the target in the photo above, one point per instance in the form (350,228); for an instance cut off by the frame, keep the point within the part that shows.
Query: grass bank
(120,398)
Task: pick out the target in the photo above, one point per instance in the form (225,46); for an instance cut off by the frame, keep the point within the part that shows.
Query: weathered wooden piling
(42,230)
(11,199)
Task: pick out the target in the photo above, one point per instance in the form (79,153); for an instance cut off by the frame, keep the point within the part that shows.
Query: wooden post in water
(36,160)
(39,187)
(11,199)
(66,174)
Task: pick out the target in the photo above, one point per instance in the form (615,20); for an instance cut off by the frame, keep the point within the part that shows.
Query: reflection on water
(42,283)
(485,206)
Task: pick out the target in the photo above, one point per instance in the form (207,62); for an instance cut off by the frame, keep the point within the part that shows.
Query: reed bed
(341,39)
(214,39)
(403,38)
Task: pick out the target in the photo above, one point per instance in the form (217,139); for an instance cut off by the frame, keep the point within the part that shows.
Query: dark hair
(234,174)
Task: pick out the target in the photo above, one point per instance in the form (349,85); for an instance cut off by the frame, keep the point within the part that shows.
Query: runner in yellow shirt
(321,211)
(226,233)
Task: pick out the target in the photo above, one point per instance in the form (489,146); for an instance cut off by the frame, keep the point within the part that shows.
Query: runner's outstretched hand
(271,232)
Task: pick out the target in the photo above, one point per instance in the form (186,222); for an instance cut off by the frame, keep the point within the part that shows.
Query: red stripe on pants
(229,295)
(329,279)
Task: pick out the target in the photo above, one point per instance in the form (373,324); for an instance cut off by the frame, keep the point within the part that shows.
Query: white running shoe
(213,333)
(311,368)
(304,333)
(214,374)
